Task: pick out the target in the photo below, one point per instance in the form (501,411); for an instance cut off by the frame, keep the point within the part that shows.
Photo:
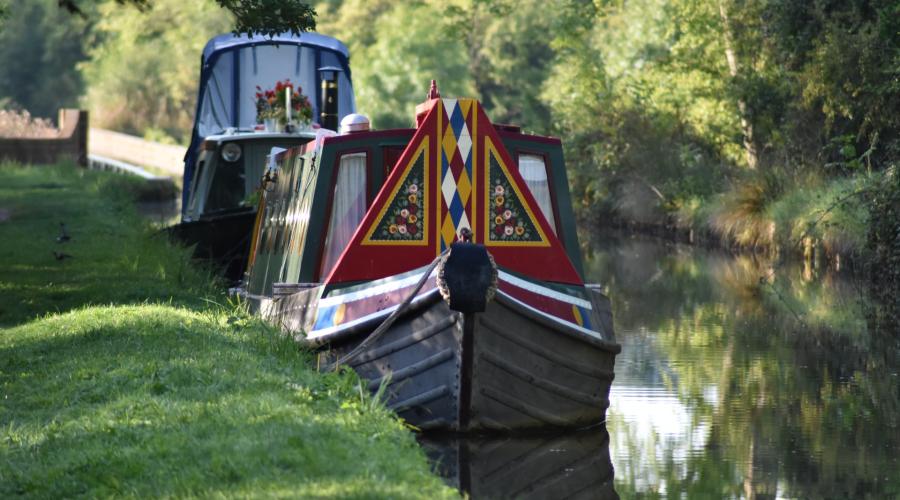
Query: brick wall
(70,142)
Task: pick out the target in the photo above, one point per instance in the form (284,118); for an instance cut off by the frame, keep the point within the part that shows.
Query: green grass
(121,375)
(115,256)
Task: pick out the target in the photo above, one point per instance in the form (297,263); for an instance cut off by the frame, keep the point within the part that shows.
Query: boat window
(348,208)
(391,155)
(534,172)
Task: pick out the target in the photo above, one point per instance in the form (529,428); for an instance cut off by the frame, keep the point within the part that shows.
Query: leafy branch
(263,17)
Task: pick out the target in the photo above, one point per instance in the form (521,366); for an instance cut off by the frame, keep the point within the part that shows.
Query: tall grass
(794,216)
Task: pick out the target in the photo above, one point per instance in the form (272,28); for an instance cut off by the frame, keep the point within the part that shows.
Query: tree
(396,49)
(266,17)
(39,48)
(142,73)
(509,55)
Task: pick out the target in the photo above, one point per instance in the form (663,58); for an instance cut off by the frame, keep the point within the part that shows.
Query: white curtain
(348,209)
(534,172)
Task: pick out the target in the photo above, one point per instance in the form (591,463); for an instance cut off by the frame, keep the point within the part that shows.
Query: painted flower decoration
(508,220)
(401,221)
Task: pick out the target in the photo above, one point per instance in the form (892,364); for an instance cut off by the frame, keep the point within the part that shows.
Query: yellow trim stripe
(367,240)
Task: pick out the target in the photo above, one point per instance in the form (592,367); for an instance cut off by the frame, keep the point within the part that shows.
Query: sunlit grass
(124,371)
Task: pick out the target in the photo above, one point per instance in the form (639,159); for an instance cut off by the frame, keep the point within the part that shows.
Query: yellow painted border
(473,219)
(491,150)
(367,240)
(439,197)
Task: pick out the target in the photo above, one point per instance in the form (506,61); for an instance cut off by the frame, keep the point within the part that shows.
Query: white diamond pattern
(464,142)
(448,187)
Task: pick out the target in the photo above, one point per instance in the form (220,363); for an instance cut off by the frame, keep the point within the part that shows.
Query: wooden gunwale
(338,336)
(556,325)
(403,343)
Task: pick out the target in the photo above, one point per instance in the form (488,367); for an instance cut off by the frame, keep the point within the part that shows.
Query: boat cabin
(243,82)
(315,201)
(227,150)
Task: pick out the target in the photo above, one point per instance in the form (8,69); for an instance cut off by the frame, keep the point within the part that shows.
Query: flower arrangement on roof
(272,103)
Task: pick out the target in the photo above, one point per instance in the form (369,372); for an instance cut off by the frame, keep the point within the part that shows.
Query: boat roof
(230,41)
(260,135)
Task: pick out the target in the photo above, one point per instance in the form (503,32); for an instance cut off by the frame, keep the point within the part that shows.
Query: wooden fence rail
(163,158)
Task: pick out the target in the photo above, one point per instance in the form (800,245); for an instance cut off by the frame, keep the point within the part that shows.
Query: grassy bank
(124,371)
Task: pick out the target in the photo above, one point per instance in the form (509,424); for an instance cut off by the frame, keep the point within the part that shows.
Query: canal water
(738,378)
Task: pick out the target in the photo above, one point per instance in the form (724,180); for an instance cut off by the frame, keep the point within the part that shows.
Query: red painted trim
(377,134)
(548,262)
(527,137)
(385,167)
(553,307)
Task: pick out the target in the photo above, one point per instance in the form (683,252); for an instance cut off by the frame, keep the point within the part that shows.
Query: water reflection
(739,380)
(572,465)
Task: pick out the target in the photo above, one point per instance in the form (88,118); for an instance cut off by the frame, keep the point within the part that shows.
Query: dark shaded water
(737,379)
(161,213)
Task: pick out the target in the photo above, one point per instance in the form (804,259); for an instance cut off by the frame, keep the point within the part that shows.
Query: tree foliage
(265,17)
(39,48)
(143,69)
(395,51)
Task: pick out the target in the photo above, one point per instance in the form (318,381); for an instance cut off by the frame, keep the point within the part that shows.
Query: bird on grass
(61,255)
(63,234)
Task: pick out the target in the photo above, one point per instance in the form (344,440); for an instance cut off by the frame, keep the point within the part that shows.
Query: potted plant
(272,105)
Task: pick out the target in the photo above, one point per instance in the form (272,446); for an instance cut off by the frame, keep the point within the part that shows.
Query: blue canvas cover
(233,65)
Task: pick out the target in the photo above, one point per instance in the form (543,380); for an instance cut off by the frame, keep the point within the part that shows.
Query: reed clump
(21,125)
(810,217)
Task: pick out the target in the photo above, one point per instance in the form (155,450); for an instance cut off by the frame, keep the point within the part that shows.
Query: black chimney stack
(328,109)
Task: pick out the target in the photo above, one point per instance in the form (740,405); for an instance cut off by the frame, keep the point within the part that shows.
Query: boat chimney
(328,110)
(425,107)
